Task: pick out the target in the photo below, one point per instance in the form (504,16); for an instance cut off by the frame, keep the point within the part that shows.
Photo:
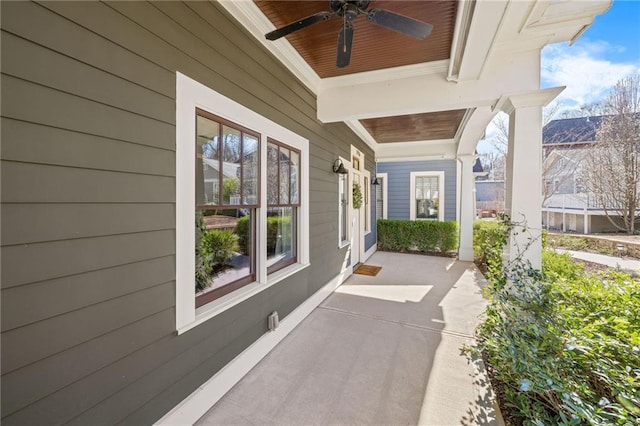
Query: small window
(380,191)
(427,196)
(283,199)
(343,208)
(366,205)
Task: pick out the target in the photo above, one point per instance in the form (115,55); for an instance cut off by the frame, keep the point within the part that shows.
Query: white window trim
(347,238)
(189,95)
(367,205)
(412,194)
(385,177)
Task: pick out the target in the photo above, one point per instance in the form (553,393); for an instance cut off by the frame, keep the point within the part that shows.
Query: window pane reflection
(295,164)
(207,162)
(284,176)
(231,154)
(272,174)
(225,252)
(427,203)
(281,237)
(250,157)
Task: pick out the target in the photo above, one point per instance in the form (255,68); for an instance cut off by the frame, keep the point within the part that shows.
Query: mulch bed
(219,222)
(498,390)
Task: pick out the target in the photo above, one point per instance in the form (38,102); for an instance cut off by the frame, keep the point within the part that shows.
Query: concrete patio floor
(381,350)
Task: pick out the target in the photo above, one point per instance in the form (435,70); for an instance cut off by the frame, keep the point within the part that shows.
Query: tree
(611,169)
(557,169)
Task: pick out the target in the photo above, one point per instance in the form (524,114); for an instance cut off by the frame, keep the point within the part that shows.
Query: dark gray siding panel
(36,143)
(88,192)
(398,185)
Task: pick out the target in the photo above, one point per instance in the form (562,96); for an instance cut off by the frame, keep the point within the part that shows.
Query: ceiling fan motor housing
(338,6)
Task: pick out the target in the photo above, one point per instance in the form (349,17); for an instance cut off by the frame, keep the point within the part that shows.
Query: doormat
(370,270)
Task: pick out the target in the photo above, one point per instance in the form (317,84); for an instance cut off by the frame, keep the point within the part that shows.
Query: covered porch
(381,349)
(432,100)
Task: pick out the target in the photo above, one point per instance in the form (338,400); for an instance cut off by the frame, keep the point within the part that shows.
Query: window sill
(212,309)
(344,244)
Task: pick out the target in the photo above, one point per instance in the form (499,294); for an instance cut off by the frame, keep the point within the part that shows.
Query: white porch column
(467,206)
(523,199)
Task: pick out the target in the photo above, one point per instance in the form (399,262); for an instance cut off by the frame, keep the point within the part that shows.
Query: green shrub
(204,263)
(565,344)
(242,230)
(276,225)
(489,238)
(417,235)
(220,246)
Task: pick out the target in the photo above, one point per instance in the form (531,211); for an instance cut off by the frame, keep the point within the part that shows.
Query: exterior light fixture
(375,181)
(338,167)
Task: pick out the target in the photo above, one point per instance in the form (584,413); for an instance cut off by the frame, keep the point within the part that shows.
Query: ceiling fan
(348,10)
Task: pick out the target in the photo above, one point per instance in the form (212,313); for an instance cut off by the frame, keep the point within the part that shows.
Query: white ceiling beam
(485,25)
(419,94)
(443,149)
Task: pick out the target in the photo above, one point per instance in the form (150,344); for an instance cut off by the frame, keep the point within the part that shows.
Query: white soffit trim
(252,18)
(384,75)
(546,13)
(362,133)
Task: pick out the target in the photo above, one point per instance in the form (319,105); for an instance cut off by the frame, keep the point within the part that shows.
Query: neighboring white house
(567,205)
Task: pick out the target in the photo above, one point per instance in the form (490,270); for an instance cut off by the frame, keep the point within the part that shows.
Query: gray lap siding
(88,214)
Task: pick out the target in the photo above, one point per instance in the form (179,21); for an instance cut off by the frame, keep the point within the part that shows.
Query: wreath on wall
(357,196)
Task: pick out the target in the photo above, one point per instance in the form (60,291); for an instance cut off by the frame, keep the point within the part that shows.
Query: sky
(606,52)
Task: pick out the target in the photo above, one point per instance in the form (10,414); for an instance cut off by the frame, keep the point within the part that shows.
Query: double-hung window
(427,196)
(242,205)
(283,200)
(226,181)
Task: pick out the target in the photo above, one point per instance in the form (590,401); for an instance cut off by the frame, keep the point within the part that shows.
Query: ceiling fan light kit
(348,10)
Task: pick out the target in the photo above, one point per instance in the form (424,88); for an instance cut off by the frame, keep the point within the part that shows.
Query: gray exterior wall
(398,185)
(88,214)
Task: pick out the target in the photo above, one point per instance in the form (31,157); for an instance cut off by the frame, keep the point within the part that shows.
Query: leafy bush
(565,344)
(204,263)
(489,238)
(417,235)
(219,246)
(242,231)
(276,225)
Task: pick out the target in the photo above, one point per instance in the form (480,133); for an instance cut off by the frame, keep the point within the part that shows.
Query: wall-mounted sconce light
(375,181)
(338,167)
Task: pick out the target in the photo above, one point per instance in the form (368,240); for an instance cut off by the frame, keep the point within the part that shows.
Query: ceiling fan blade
(400,23)
(298,25)
(345,40)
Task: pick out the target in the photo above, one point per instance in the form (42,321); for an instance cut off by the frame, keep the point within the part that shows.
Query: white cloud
(584,70)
